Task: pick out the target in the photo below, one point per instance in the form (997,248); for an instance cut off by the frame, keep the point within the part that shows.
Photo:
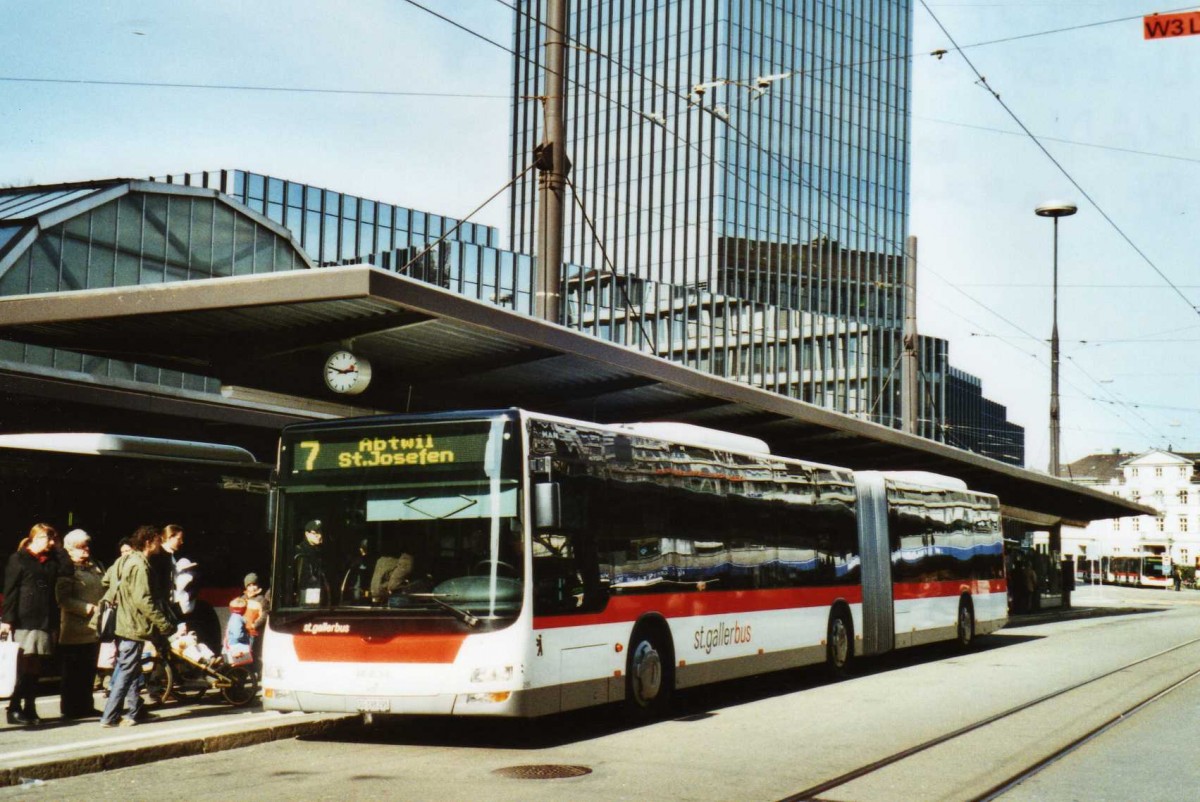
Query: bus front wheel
(649,681)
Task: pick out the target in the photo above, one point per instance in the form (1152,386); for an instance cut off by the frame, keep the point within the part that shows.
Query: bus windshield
(400,518)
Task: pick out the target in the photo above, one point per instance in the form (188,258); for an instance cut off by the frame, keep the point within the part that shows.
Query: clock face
(346,373)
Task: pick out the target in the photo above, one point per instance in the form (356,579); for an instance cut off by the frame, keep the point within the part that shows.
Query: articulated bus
(1138,570)
(509,563)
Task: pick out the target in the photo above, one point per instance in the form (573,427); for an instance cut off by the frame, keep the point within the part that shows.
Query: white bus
(1139,570)
(516,564)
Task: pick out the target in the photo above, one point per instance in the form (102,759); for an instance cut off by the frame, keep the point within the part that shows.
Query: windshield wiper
(463,615)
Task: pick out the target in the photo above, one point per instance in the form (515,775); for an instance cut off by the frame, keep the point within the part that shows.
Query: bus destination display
(399,450)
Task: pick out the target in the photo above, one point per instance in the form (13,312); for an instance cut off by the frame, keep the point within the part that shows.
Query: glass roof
(22,205)
(138,238)
(8,232)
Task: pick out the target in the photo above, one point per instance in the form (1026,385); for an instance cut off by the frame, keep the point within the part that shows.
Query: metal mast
(553,165)
(910,395)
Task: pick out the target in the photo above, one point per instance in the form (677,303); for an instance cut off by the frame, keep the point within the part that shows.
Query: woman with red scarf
(30,615)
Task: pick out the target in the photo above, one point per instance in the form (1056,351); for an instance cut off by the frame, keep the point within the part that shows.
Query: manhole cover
(542,772)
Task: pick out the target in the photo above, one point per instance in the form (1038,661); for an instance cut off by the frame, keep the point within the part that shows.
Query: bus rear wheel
(965,629)
(839,644)
(649,681)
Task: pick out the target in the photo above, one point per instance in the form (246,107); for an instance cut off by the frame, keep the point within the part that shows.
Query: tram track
(996,789)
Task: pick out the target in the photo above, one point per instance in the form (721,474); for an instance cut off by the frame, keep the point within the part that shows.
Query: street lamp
(1055,209)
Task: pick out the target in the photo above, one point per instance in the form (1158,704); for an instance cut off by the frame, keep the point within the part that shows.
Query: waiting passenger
(238,649)
(78,593)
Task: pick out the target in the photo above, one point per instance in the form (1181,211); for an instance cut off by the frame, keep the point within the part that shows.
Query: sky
(1115,116)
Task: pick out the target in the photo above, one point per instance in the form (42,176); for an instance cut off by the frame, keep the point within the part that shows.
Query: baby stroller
(178,670)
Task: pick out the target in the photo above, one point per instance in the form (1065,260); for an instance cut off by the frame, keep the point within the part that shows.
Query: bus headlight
(492,674)
(273,672)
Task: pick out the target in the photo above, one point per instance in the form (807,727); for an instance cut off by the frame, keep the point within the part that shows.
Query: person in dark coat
(163,571)
(356,581)
(312,583)
(30,615)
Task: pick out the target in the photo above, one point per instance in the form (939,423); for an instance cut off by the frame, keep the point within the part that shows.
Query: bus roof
(121,445)
(689,434)
(925,479)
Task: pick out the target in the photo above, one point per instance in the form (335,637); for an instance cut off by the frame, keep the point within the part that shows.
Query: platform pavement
(59,748)
(66,748)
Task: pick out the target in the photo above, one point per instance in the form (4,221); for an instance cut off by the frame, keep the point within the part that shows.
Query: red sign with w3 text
(1165,26)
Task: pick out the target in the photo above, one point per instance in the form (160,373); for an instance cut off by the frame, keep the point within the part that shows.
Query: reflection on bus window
(444,540)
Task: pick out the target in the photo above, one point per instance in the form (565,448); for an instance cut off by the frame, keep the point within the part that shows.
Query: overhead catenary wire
(1044,138)
(982,81)
(641,319)
(428,248)
(631,71)
(1067,29)
(312,90)
(408,93)
(1148,431)
(567,78)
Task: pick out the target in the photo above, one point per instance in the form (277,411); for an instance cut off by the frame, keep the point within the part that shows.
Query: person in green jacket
(139,618)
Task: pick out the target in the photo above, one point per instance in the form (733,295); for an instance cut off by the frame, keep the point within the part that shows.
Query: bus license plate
(374,705)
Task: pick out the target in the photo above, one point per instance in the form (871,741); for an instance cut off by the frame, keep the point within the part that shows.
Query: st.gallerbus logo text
(325,628)
(709,638)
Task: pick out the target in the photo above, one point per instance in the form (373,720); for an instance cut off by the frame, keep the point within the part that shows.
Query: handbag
(106,620)
(9,650)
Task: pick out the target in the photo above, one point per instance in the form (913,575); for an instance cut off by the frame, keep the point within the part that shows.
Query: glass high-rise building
(691,122)
(750,149)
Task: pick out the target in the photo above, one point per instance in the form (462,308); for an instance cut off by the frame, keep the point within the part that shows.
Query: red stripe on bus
(905,591)
(403,648)
(622,609)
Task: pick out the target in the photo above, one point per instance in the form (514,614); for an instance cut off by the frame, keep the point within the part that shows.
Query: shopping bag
(107,658)
(9,650)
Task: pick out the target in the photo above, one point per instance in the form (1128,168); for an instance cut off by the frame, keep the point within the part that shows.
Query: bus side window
(565,579)
(557,586)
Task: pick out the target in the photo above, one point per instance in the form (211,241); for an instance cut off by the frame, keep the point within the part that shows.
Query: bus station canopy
(432,349)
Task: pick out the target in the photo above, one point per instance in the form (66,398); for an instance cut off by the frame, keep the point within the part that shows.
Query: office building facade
(739,185)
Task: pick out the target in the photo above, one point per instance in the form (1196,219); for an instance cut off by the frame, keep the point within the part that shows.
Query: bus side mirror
(272,508)
(547,505)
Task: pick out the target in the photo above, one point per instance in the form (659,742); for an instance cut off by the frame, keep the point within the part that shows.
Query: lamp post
(1055,209)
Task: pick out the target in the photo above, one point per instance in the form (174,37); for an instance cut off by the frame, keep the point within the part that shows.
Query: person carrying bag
(10,650)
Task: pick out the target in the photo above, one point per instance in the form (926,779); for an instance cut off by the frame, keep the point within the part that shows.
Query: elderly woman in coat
(78,593)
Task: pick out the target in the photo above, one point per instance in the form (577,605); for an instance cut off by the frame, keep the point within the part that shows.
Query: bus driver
(311,585)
